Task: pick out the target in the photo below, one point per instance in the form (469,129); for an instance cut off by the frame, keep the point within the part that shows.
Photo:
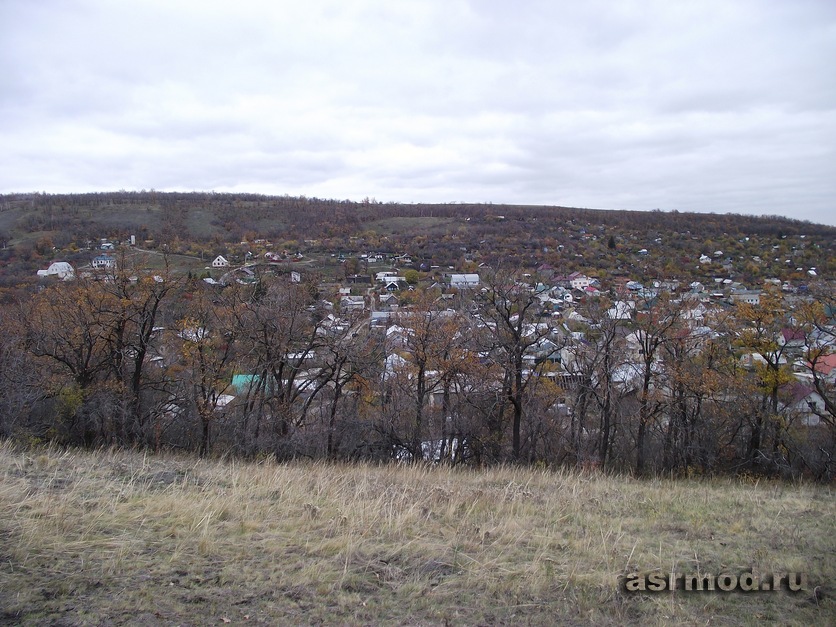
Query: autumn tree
(207,336)
(21,387)
(68,328)
(348,361)
(701,379)
(137,299)
(508,311)
(759,338)
(815,320)
(657,324)
(593,360)
(280,329)
(432,345)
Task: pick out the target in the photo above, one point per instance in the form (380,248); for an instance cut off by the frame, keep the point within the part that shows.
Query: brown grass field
(126,538)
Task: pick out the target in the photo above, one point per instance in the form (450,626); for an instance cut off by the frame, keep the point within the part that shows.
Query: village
(501,363)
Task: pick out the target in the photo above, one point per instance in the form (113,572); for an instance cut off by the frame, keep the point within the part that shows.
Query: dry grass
(125,538)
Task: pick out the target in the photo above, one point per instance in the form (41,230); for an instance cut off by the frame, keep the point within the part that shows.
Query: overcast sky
(695,105)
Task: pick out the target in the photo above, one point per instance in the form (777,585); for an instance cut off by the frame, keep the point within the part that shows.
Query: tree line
(490,376)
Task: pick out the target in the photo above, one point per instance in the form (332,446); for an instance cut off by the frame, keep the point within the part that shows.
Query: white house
(694,313)
(579,281)
(61,269)
(562,294)
(220,262)
(464,280)
(104,261)
(751,297)
(382,277)
(806,403)
(621,310)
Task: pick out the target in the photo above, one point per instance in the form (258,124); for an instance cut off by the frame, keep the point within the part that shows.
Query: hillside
(40,227)
(129,538)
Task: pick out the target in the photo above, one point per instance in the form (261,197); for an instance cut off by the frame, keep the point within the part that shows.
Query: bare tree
(208,336)
(520,341)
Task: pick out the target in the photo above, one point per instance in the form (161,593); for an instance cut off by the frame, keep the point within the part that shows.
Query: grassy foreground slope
(127,538)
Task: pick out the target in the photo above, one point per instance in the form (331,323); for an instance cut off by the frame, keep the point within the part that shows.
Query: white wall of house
(581,282)
(464,280)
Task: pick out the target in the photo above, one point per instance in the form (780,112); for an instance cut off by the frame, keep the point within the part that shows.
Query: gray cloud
(710,106)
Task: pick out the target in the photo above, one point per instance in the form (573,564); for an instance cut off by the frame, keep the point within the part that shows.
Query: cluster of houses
(555,290)
(560,341)
(378,298)
(64,271)
(559,297)
(560,329)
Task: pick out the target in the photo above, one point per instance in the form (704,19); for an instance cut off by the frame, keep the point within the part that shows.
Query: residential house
(666,285)
(381,277)
(450,449)
(544,349)
(579,281)
(621,310)
(104,261)
(805,402)
(395,284)
(352,303)
(792,339)
(561,280)
(220,262)
(825,367)
(380,318)
(388,302)
(464,281)
(562,294)
(694,313)
(243,383)
(750,360)
(397,336)
(60,269)
(751,297)
(545,271)
(393,364)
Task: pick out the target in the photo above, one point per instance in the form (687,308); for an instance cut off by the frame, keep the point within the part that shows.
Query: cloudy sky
(722,106)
